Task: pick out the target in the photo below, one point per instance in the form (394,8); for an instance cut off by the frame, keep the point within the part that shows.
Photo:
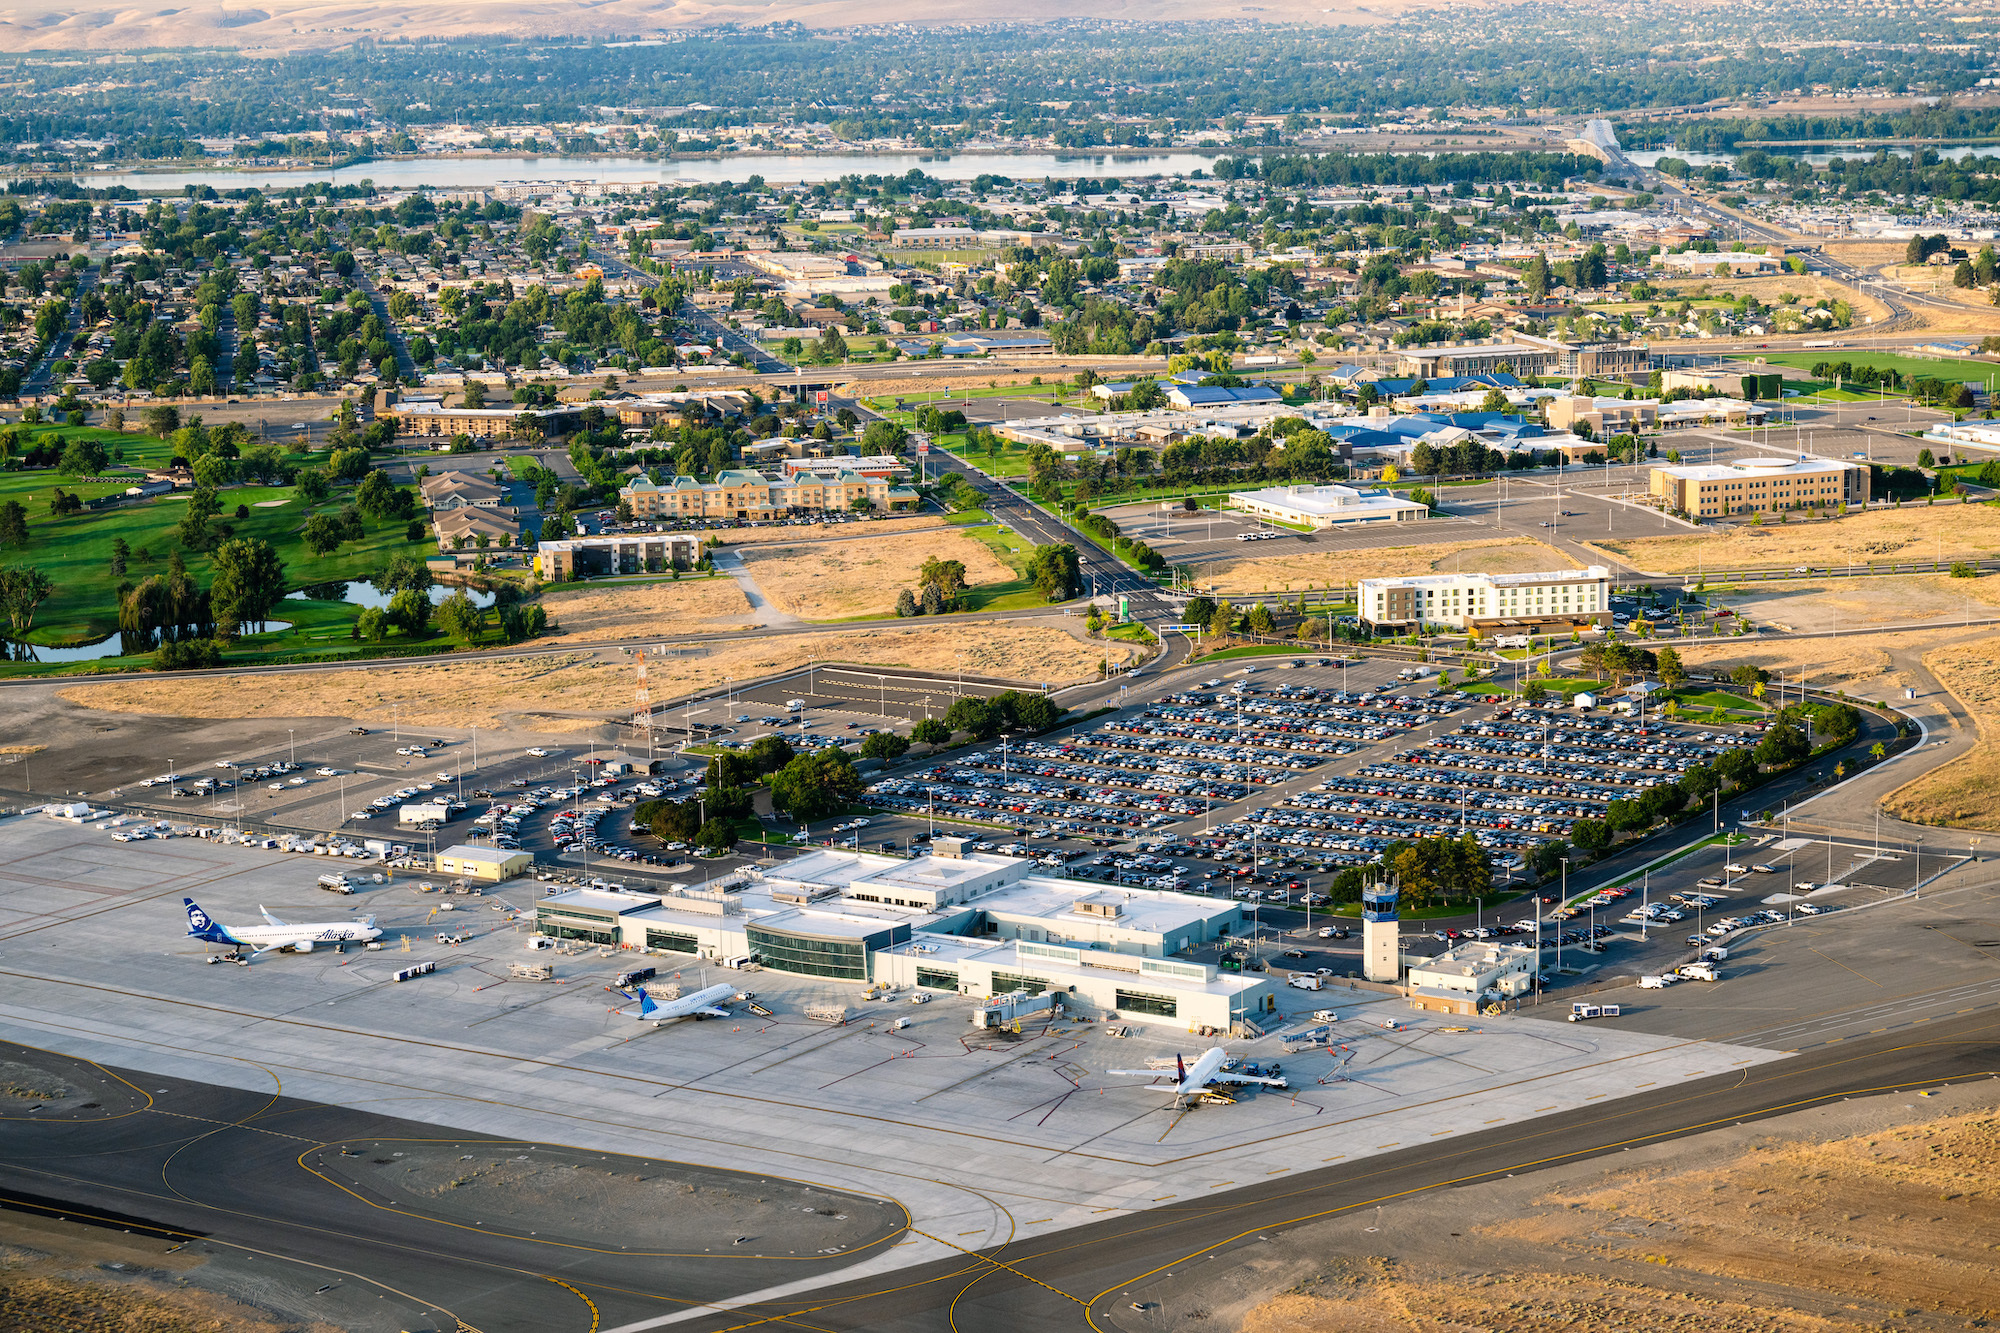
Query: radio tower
(642,700)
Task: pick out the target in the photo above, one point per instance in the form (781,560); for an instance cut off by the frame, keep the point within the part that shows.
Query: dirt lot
(1843,604)
(567,692)
(57,1277)
(592,1199)
(1914,532)
(1333,568)
(596,613)
(1868,1215)
(836,580)
(1964,793)
(830,531)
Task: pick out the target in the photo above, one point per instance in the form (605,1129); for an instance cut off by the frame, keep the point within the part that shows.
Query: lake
(109,647)
(367,594)
(477,172)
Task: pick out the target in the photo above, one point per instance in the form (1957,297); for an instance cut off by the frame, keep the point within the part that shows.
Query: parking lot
(1227,534)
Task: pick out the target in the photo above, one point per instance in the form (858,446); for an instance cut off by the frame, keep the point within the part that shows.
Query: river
(478,172)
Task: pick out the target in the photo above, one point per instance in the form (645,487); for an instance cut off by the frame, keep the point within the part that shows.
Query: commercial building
(1525,355)
(1464,977)
(634,553)
(480,423)
(485,865)
(460,528)
(1571,598)
(742,493)
(1328,506)
(875,467)
(1759,485)
(954,921)
(461,490)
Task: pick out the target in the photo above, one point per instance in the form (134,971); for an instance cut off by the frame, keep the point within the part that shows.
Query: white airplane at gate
(1192,1081)
(705,1003)
(299,937)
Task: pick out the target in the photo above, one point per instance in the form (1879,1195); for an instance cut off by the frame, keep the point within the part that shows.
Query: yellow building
(1760,485)
(486,865)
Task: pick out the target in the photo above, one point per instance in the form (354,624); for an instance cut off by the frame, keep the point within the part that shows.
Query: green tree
(13,525)
(460,618)
(1056,573)
(372,624)
(194,531)
(977,717)
(23,589)
(1593,835)
(768,754)
(1672,673)
(1222,621)
(1259,620)
(83,458)
(930,731)
(815,785)
(884,745)
(249,581)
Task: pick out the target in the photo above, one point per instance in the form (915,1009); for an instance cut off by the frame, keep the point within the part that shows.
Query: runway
(247,1172)
(1089,1277)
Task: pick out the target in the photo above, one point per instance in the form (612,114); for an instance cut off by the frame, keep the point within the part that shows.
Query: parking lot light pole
(1562,901)
(1918,887)
(294,745)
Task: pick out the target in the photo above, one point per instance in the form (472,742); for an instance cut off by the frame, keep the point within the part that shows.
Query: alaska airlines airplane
(299,937)
(702,1004)
(1190,1082)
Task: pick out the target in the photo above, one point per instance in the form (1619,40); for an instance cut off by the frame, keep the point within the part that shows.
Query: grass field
(74,550)
(1912,366)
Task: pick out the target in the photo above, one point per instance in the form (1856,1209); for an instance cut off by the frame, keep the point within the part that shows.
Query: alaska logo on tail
(202,927)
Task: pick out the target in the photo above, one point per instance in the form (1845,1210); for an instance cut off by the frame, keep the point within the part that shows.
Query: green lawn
(74,550)
(1953,370)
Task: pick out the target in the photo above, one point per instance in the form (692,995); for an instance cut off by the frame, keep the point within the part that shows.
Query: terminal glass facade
(1140,1002)
(932,978)
(845,959)
(560,925)
(1005,982)
(672,941)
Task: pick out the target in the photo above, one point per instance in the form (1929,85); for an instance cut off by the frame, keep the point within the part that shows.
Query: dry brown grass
(1325,568)
(831,531)
(836,580)
(575,691)
(597,613)
(1768,1235)
(22,749)
(1964,793)
(1914,532)
(1845,604)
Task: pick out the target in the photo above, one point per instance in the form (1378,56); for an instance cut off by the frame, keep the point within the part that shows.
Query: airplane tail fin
(646,1005)
(1180,1067)
(269,919)
(200,925)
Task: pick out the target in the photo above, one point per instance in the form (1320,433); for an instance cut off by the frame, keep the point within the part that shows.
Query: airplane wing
(272,920)
(273,948)
(713,1012)
(1167,1074)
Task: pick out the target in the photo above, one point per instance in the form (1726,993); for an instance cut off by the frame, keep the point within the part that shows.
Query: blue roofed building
(1195,395)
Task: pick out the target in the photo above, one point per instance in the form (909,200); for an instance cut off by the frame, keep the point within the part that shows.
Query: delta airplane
(1193,1082)
(299,937)
(704,1003)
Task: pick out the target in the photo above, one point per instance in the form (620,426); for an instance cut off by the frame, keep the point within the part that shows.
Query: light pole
(1562,900)
(294,746)
(1918,887)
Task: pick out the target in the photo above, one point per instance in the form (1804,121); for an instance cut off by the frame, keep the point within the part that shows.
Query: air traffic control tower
(1381,945)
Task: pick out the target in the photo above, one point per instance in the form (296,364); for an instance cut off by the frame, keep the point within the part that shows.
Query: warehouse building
(965,922)
(1490,603)
(1328,506)
(484,865)
(1760,485)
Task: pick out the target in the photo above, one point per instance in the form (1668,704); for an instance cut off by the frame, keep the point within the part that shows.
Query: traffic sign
(923,449)
(1181,629)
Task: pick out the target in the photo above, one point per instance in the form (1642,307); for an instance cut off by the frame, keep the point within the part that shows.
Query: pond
(103,648)
(363,593)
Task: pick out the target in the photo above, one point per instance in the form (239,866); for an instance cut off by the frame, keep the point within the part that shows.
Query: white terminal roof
(1329,499)
(1754,467)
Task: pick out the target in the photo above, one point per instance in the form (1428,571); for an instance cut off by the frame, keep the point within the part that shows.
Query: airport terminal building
(966,923)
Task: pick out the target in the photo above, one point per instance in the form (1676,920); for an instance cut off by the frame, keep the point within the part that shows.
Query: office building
(1759,485)
(1328,506)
